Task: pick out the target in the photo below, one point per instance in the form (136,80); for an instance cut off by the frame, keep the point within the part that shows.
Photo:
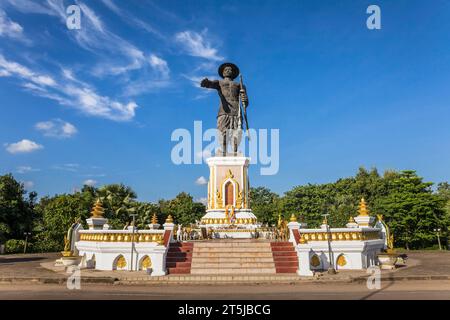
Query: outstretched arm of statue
(206,83)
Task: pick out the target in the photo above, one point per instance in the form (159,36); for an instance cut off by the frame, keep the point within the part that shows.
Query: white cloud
(195,44)
(9,28)
(56,128)
(202,200)
(90,182)
(71,167)
(25,169)
(28,6)
(160,65)
(118,56)
(23,146)
(69,91)
(201,181)
(131,19)
(28,184)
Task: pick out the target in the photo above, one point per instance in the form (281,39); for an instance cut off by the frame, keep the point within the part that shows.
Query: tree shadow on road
(4,260)
(391,283)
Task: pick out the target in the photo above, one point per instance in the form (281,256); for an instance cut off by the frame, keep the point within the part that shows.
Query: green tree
(412,210)
(16,210)
(443,191)
(265,204)
(55,216)
(145,212)
(182,208)
(119,202)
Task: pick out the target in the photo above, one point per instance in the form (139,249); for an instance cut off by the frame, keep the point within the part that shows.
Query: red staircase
(179,258)
(284,256)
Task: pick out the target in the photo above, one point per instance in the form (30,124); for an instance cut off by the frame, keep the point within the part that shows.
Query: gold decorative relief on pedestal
(219,203)
(239,200)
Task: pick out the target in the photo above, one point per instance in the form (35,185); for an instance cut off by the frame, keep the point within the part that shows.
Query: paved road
(397,290)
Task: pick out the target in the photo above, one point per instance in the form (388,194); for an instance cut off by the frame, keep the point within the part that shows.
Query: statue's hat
(233,66)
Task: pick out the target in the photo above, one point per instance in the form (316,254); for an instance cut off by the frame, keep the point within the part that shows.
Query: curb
(403,278)
(117,281)
(95,280)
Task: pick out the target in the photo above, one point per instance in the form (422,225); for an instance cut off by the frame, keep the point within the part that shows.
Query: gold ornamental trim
(227,221)
(341,236)
(234,230)
(237,191)
(122,237)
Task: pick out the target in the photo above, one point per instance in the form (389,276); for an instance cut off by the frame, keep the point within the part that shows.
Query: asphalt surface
(409,290)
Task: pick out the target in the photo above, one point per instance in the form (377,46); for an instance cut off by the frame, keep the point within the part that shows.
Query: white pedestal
(303,253)
(96,223)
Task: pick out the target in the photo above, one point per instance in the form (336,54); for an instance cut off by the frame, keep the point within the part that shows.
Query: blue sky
(98,105)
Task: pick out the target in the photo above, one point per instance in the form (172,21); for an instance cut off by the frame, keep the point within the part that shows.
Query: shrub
(15,246)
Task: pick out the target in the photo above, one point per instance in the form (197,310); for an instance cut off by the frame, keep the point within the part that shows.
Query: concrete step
(234,259)
(179,270)
(201,265)
(286,269)
(226,278)
(232,245)
(233,249)
(284,254)
(178,256)
(233,241)
(180,249)
(182,244)
(178,264)
(281,243)
(221,254)
(281,249)
(286,264)
(232,271)
(285,258)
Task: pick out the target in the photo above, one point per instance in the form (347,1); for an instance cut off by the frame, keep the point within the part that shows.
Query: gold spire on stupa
(169,219)
(351,219)
(293,218)
(362,209)
(97,210)
(154,219)
(279,220)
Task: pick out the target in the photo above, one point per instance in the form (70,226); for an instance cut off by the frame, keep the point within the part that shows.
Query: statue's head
(228,70)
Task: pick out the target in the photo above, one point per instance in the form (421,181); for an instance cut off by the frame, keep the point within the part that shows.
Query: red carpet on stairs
(285,257)
(179,258)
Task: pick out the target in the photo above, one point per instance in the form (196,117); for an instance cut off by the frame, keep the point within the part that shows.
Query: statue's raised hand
(204,83)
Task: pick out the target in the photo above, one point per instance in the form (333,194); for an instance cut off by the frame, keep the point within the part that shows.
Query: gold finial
(380,217)
(362,210)
(66,244)
(169,219)
(302,239)
(154,219)
(279,220)
(97,210)
(293,218)
(390,243)
(325,221)
(351,219)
